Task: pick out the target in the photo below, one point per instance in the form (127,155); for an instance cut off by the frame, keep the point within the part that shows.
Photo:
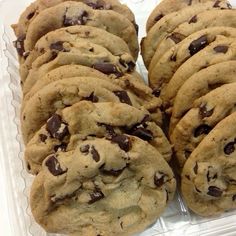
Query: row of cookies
(89,123)
(190,52)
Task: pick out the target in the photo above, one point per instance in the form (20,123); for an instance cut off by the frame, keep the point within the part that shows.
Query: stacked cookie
(89,123)
(190,54)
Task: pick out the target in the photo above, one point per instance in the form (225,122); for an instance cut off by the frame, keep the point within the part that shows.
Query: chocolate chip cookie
(168,23)
(166,66)
(88,191)
(82,53)
(85,119)
(208,177)
(77,13)
(54,40)
(223,49)
(207,111)
(200,84)
(66,92)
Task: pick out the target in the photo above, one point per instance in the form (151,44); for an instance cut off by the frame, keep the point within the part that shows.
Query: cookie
(168,23)
(200,84)
(82,53)
(76,13)
(223,49)
(55,40)
(177,54)
(166,7)
(88,191)
(207,111)
(85,119)
(208,177)
(38,6)
(66,92)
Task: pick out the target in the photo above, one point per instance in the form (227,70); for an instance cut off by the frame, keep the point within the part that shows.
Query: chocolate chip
(159,179)
(85,149)
(229,148)
(58,46)
(19,45)
(146,119)
(111,171)
(234,197)
(60,148)
(198,45)
(30,16)
(143,133)
(221,49)
(76,20)
(92,98)
(202,129)
(193,20)
(158,17)
(173,57)
(123,141)
(176,37)
(54,166)
(110,130)
(56,127)
(156,92)
(214,191)
(203,112)
(99,5)
(43,137)
(123,97)
(95,154)
(107,69)
(52,57)
(217,3)
(96,196)
(28,166)
(195,169)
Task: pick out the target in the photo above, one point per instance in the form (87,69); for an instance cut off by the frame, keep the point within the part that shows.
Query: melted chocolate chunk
(99,5)
(198,45)
(234,197)
(30,16)
(60,148)
(221,49)
(43,137)
(111,171)
(142,133)
(95,154)
(76,20)
(110,130)
(123,141)
(130,65)
(214,191)
(158,17)
(195,169)
(203,112)
(193,20)
(176,37)
(56,127)
(107,69)
(93,98)
(202,129)
(229,148)
(96,196)
(123,97)
(159,179)
(85,149)
(54,166)
(19,45)
(58,46)
(156,92)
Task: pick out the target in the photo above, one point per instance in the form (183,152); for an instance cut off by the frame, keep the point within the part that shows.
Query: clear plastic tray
(177,220)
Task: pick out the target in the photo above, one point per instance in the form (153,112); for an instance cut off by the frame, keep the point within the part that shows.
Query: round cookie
(79,33)
(207,111)
(39,5)
(169,22)
(85,119)
(76,13)
(223,49)
(199,22)
(88,191)
(166,7)
(166,66)
(200,84)
(66,92)
(82,53)
(208,177)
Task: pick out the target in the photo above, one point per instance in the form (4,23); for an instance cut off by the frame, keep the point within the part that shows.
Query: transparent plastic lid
(177,219)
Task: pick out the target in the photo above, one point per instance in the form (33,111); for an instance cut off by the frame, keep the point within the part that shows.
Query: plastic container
(177,219)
